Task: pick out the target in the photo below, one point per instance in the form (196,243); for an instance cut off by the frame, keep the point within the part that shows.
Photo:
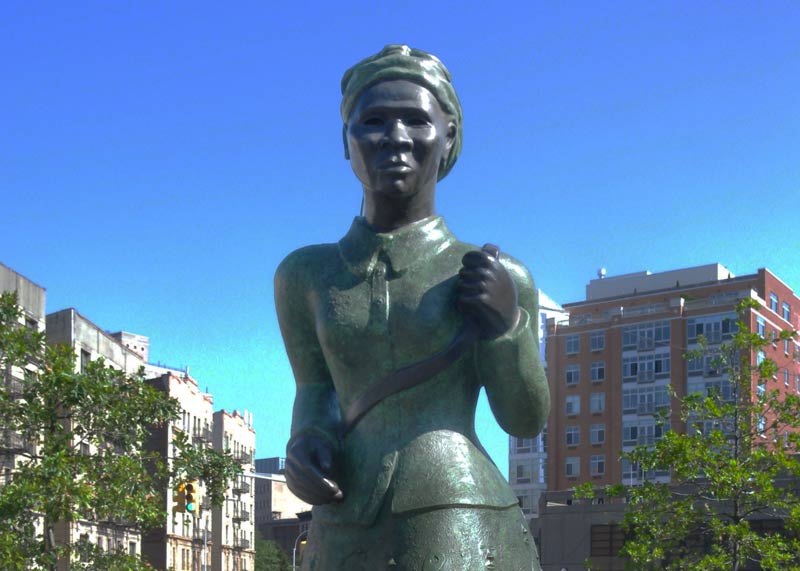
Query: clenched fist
(486,293)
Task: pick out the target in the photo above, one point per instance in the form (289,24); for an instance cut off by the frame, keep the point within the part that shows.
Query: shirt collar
(402,248)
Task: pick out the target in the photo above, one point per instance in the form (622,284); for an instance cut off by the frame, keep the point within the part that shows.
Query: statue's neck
(386,213)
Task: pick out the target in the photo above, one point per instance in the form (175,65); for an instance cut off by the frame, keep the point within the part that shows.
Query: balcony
(14,387)
(645,344)
(241,542)
(202,435)
(199,534)
(646,408)
(241,487)
(646,376)
(242,457)
(240,516)
(14,443)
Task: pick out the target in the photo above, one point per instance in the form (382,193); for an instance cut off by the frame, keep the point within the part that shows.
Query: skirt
(441,539)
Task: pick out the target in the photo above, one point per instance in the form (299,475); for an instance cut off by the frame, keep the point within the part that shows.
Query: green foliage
(214,468)
(735,465)
(270,557)
(79,442)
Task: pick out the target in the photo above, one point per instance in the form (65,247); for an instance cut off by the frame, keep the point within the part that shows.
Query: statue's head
(401,63)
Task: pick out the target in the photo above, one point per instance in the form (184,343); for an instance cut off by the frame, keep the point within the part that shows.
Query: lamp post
(294,549)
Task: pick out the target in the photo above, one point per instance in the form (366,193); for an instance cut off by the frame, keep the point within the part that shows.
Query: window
(786,311)
(785,346)
(597,403)
(573,344)
(597,433)
(760,357)
(773,301)
(572,467)
(573,403)
(644,336)
(131,548)
(694,366)
(761,326)
(522,474)
(573,375)
(786,377)
(715,328)
(630,400)
(630,368)
(598,464)
(630,433)
(661,364)
(573,435)
(597,341)
(598,371)
(606,540)
(524,502)
(85,358)
(524,444)
(630,471)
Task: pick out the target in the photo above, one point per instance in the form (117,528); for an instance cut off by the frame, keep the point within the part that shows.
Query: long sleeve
(316,407)
(510,366)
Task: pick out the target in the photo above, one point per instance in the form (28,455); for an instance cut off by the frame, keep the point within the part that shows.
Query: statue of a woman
(391,333)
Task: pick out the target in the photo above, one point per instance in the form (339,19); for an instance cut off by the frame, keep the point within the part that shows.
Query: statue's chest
(371,326)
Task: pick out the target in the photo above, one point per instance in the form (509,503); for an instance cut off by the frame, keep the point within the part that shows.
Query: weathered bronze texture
(406,485)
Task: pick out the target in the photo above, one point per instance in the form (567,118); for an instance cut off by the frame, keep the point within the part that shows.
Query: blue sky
(158,160)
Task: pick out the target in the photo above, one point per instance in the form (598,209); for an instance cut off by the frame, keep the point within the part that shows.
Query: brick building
(610,363)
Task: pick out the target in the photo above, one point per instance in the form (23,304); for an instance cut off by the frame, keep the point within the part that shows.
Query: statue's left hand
(486,294)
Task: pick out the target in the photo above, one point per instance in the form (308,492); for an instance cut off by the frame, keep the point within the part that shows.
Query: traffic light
(190,494)
(179,499)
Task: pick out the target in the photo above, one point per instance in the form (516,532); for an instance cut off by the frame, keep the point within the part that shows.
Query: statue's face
(396,137)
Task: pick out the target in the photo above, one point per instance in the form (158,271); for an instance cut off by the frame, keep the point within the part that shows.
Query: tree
(270,557)
(78,444)
(734,498)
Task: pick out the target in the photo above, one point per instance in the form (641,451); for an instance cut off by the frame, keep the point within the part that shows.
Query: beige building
(89,342)
(184,544)
(16,450)
(273,499)
(232,523)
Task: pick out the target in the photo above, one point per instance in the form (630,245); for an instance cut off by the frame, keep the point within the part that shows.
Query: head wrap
(401,62)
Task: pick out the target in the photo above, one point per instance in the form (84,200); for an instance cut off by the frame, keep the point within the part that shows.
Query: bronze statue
(391,333)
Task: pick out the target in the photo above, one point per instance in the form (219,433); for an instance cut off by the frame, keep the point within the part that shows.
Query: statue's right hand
(309,465)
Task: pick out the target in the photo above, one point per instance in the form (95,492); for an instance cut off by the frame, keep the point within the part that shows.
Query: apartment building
(184,543)
(610,363)
(232,523)
(89,343)
(527,457)
(15,449)
(273,499)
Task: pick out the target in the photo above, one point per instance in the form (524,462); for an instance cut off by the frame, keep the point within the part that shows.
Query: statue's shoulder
(519,272)
(306,263)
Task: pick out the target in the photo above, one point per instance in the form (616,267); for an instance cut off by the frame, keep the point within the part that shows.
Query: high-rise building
(184,543)
(527,457)
(232,523)
(610,363)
